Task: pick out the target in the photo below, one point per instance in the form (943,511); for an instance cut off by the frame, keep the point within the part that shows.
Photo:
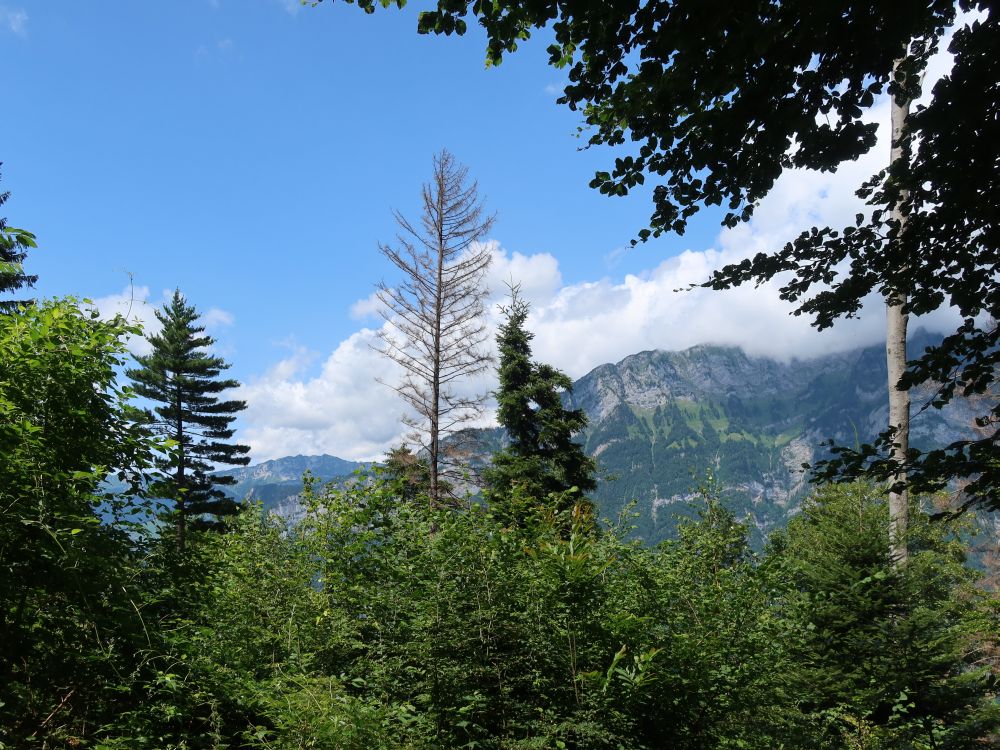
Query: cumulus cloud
(134,303)
(215,318)
(343,410)
(537,276)
(366,308)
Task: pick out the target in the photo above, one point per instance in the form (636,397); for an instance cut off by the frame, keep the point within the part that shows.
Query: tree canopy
(64,428)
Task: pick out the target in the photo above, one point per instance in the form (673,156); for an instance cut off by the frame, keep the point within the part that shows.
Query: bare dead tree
(435,314)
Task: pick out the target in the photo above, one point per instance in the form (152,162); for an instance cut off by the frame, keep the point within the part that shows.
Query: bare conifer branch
(436,332)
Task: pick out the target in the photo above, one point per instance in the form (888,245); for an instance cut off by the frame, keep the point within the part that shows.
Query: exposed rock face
(277,484)
(661,420)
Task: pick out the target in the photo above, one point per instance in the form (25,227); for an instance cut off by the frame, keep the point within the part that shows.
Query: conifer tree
(542,463)
(435,329)
(408,473)
(14,244)
(183,379)
(882,652)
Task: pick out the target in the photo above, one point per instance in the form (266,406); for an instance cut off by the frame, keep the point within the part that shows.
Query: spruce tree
(184,380)
(543,463)
(14,244)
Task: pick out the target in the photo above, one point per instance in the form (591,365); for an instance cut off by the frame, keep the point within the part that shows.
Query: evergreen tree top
(14,246)
(182,378)
(543,463)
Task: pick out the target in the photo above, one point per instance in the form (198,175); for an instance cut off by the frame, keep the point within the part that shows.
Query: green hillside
(662,421)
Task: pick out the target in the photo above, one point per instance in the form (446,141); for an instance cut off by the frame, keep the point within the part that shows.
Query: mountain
(660,420)
(277,483)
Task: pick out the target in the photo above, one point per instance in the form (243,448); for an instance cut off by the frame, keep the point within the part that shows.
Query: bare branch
(435,330)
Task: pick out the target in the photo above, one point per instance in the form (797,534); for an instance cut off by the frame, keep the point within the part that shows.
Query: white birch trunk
(895,350)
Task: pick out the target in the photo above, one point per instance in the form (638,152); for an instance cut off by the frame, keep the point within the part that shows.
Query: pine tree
(408,473)
(184,379)
(543,463)
(14,244)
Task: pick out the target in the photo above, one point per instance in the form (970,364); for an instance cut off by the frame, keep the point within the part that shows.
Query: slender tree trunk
(436,367)
(179,478)
(899,419)
(895,351)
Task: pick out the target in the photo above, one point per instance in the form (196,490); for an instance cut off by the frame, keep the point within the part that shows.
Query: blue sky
(250,153)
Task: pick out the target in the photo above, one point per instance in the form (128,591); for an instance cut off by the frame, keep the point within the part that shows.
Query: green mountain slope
(661,420)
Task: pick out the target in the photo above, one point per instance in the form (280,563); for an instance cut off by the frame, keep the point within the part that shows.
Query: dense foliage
(380,624)
(68,627)
(382,621)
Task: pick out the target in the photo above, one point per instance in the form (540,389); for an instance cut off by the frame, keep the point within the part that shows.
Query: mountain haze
(277,483)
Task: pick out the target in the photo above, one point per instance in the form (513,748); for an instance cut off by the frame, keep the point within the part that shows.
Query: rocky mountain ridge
(661,421)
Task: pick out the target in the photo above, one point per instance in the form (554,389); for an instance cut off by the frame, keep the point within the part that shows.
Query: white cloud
(216,318)
(366,308)
(292,7)
(134,304)
(14,20)
(537,275)
(343,410)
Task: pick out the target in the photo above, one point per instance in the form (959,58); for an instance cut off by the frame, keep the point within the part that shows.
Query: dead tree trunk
(434,328)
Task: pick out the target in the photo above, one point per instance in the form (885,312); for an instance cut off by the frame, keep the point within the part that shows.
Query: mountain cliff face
(660,421)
